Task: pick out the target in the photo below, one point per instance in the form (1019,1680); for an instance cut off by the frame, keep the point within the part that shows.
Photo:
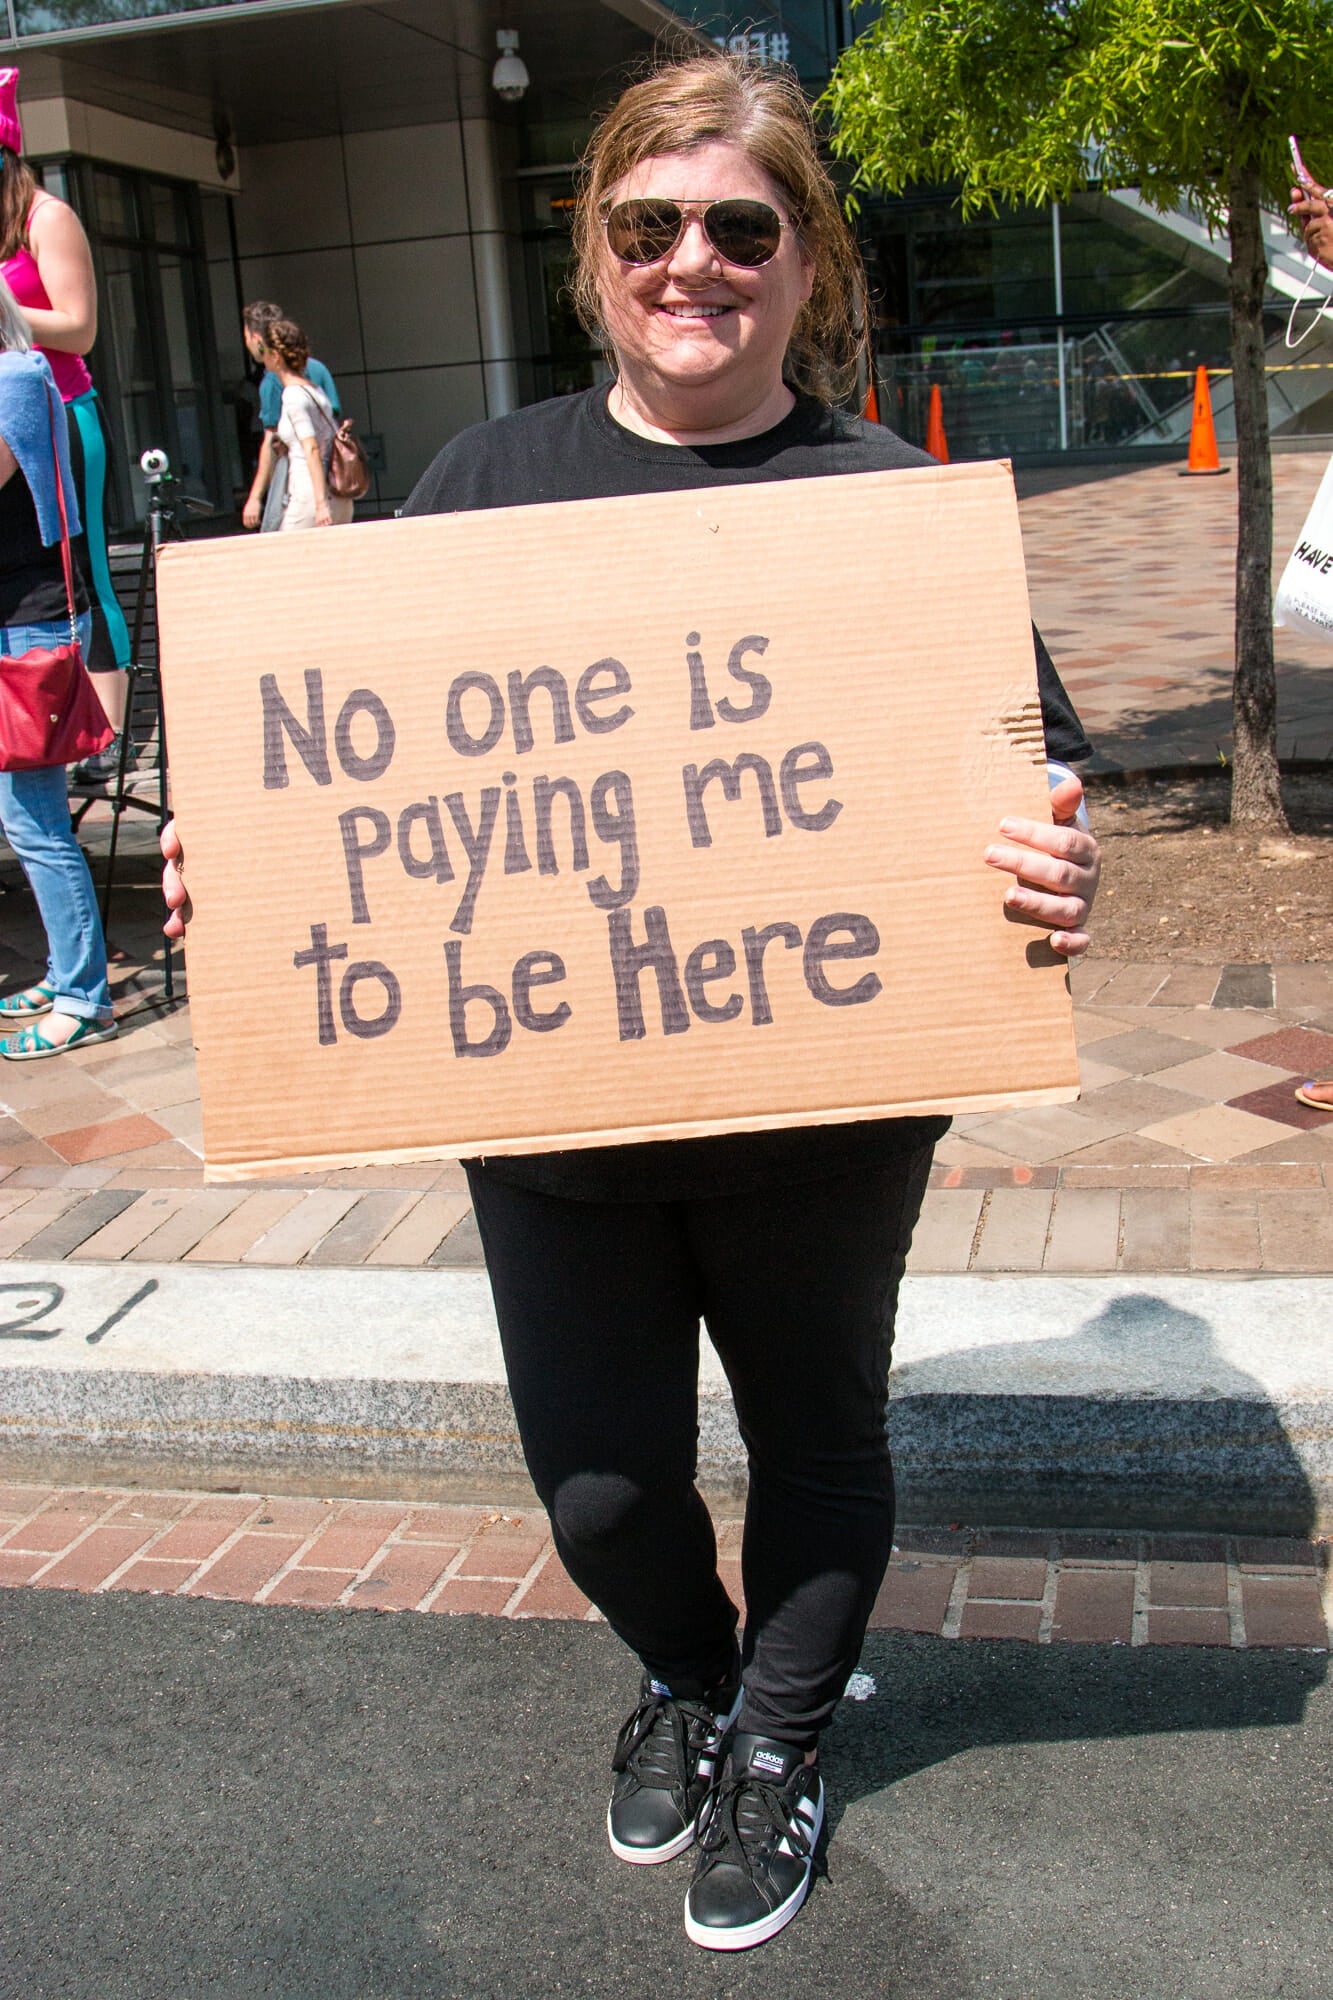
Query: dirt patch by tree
(1179,886)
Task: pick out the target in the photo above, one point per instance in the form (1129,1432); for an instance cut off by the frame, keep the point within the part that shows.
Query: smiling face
(700,342)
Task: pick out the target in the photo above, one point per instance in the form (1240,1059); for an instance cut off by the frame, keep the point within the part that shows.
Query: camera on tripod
(165,493)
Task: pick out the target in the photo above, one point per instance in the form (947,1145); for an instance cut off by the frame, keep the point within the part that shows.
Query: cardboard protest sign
(621,819)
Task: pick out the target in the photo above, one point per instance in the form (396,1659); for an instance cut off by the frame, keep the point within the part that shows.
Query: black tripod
(143,703)
(166,502)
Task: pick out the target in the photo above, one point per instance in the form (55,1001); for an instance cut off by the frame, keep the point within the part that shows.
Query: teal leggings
(110,647)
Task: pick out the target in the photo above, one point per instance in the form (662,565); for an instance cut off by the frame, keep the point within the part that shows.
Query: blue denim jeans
(34,817)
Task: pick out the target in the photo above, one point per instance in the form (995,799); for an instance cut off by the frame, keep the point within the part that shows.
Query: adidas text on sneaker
(756,1846)
(665,1761)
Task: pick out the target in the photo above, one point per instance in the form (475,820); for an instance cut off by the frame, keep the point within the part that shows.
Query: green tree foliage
(1187,100)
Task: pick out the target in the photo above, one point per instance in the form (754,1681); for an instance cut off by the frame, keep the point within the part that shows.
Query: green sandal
(29,1005)
(32,1045)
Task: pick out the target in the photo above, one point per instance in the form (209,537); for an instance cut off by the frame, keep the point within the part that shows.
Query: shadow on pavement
(1031,480)
(1305,716)
(940,1699)
(1135,1418)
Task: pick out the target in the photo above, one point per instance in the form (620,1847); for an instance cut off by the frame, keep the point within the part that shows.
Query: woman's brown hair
(686,103)
(17,188)
(288,342)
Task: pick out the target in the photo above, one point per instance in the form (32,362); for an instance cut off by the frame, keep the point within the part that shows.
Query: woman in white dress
(307,427)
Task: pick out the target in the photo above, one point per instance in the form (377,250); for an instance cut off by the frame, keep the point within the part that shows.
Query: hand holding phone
(1298,166)
(1312,210)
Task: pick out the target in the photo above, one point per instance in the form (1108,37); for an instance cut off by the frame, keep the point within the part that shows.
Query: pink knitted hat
(11,132)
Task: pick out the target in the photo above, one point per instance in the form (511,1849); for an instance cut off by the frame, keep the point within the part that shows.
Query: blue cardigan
(27,389)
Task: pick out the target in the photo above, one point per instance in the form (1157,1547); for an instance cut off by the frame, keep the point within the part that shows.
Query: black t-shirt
(572,449)
(32,579)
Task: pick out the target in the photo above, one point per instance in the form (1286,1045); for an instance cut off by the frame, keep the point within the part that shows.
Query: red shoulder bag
(49,711)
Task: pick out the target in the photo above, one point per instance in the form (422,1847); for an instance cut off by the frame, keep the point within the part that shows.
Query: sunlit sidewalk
(1132,579)
(1186,1152)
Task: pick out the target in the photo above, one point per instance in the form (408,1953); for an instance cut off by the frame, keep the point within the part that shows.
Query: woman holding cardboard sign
(714,261)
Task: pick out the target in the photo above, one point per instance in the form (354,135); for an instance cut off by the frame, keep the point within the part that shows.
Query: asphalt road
(202,1799)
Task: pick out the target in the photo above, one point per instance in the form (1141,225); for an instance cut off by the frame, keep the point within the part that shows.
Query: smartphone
(1299,168)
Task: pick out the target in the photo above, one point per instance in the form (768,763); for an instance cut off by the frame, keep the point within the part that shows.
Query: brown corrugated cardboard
(613,820)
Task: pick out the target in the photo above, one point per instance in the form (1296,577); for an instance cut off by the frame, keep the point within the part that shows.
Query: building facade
(355,163)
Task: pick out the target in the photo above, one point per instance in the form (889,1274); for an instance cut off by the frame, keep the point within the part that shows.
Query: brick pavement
(952,1583)
(1186,1152)
(1131,574)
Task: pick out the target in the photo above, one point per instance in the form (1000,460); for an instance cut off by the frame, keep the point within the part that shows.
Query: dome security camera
(509,78)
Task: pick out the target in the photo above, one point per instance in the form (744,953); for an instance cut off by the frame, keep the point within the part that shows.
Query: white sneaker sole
(648,1857)
(763,1928)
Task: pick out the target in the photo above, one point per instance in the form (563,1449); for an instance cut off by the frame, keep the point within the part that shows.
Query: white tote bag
(1305,594)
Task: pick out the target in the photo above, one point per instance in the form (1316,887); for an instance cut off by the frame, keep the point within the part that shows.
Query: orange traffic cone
(871,410)
(1203,459)
(936,442)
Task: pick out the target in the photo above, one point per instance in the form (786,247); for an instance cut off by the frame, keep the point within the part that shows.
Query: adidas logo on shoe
(756,1846)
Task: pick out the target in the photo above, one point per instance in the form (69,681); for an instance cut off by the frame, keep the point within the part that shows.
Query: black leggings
(599,1306)
(109,646)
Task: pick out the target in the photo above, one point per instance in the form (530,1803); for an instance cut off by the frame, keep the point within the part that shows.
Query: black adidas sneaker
(756,1846)
(665,1761)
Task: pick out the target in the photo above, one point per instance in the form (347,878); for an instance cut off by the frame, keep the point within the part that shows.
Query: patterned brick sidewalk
(1186,1152)
(952,1583)
(1132,579)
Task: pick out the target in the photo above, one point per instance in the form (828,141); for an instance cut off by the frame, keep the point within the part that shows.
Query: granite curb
(1133,1403)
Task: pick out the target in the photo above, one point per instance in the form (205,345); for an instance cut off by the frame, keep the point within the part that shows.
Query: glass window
(45,17)
(1098,355)
(803,33)
(169,216)
(999,395)
(927,267)
(154,363)
(113,196)
(565,358)
(214,210)
(180,321)
(1113,260)
(129,385)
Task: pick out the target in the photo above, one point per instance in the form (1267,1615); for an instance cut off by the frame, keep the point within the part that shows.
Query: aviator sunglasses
(648,229)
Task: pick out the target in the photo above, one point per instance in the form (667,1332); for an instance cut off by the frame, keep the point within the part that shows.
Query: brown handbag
(349,469)
(49,711)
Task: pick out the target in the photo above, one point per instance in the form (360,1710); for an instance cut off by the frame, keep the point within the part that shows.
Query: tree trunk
(1256,800)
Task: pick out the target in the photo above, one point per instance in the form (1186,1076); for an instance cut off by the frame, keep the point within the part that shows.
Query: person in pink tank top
(23,275)
(47,264)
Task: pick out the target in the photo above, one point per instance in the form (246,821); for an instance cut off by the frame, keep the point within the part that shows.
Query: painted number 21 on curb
(19,1315)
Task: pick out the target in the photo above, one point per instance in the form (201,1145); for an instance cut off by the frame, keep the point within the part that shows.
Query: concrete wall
(378,244)
(58,125)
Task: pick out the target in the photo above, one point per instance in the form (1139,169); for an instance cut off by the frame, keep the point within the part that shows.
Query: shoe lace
(660,1743)
(748,1819)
